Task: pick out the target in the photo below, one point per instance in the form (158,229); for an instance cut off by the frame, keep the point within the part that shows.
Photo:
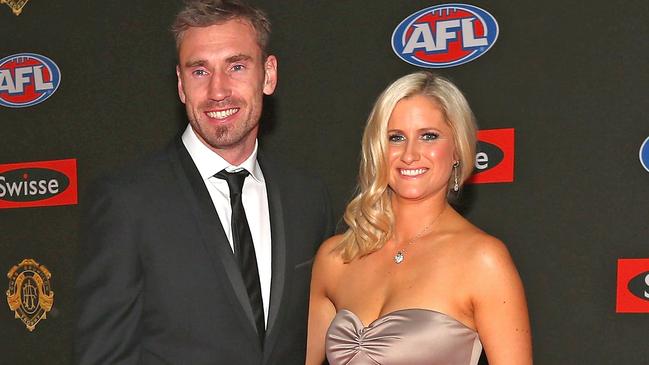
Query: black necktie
(244,250)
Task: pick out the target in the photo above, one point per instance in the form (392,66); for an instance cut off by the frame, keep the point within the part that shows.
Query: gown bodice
(402,337)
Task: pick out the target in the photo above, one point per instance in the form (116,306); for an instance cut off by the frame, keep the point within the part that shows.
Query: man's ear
(181,92)
(270,74)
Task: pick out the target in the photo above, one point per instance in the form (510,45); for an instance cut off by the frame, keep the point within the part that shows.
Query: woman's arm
(321,308)
(500,308)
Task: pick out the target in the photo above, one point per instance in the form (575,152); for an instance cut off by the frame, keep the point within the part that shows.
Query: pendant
(399,257)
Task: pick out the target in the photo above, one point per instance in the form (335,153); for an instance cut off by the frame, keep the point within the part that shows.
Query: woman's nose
(410,152)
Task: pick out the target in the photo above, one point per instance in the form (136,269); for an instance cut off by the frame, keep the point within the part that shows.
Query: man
(180,264)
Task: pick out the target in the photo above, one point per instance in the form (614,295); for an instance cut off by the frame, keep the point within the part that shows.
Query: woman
(411,281)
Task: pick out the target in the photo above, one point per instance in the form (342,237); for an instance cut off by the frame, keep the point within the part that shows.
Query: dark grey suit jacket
(158,283)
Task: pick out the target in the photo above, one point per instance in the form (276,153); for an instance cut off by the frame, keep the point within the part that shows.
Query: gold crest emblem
(30,294)
(15,5)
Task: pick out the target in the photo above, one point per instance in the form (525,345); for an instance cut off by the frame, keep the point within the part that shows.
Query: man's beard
(224,136)
(220,132)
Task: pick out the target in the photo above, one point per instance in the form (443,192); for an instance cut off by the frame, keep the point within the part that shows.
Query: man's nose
(219,86)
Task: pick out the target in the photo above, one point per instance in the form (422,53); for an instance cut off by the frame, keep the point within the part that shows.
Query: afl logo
(644,154)
(445,35)
(27,79)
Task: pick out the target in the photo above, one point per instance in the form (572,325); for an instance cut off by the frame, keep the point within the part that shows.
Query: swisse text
(28,187)
(31,184)
(488,156)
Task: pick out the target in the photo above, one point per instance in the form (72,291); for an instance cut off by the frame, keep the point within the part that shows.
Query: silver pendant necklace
(400,256)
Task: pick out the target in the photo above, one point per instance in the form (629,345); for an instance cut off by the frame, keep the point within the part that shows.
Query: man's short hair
(204,13)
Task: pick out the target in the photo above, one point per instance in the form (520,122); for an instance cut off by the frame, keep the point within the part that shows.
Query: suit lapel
(212,237)
(279,248)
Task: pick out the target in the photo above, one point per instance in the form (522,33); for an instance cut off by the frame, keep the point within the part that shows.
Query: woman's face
(420,149)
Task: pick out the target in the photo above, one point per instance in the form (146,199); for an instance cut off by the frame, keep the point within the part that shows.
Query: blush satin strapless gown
(403,337)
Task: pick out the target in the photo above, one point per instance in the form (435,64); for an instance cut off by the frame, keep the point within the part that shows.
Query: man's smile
(222,114)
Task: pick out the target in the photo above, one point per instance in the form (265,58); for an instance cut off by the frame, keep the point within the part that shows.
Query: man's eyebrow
(238,58)
(195,63)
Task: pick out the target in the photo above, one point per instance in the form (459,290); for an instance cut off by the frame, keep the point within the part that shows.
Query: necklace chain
(400,256)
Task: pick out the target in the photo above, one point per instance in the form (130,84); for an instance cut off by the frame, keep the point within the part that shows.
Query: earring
(456,185)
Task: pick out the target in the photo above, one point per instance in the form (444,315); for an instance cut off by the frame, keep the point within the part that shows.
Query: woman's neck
(411,216)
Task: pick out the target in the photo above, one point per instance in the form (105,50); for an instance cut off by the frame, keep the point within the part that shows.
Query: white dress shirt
(254,198)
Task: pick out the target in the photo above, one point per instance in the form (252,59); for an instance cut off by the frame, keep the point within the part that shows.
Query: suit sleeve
(109,280)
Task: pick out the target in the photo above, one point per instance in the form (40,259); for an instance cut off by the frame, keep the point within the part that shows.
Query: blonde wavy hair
(369,215)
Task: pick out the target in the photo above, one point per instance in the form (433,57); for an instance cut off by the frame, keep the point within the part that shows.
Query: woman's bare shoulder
(328,265)
(328,254)
(482,249)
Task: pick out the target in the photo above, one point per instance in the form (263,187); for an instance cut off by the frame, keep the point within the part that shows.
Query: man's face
(221,80)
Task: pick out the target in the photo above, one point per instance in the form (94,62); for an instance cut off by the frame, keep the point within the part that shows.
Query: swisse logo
(632,286)
(445,35)
(27,79)
(494,160)
(488,156)
(24,185)
(639,286)
(45,183)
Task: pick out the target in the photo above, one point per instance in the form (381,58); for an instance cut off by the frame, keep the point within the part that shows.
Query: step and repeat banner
(561,173)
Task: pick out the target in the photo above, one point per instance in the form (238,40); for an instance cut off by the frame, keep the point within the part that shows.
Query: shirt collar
(209,163)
